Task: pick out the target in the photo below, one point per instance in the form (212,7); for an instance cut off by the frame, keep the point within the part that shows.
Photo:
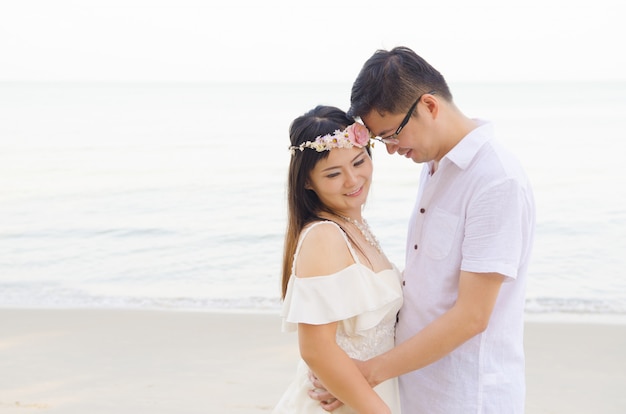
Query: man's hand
(328,401)
(319,393)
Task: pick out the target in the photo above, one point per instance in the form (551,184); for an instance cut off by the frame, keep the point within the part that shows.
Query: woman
(339,289)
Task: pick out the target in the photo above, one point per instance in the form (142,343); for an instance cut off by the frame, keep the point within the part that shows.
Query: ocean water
(172,196)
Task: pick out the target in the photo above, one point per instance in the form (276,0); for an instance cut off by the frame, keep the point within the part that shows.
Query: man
(459,336)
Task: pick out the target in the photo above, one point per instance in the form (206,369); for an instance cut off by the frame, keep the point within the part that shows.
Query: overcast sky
(274,40)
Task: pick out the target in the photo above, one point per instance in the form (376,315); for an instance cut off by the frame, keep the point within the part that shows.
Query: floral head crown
(355,135)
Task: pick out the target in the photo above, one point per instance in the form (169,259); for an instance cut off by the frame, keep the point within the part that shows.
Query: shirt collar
(465,151)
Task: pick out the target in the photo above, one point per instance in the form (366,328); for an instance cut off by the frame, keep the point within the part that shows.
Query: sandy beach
(135,361)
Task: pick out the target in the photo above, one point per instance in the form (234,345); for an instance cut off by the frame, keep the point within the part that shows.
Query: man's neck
(457,128)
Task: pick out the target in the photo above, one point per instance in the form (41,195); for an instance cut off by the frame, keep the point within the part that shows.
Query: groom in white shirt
(459,336)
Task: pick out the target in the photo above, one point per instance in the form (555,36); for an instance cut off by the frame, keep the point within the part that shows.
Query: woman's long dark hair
(303,205)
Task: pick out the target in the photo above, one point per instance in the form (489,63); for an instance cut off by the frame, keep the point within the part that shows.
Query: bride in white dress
(340,292)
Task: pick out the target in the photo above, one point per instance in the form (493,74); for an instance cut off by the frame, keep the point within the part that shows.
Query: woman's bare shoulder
(324,251)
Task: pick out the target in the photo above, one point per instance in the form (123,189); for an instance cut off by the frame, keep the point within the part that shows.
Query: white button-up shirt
(475,213)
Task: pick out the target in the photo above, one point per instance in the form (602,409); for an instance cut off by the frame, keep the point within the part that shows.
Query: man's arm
(467,318)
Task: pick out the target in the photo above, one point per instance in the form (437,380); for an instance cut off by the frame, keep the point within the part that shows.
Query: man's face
(413,141)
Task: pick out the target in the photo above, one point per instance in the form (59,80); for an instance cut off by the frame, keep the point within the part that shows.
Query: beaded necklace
(365,230)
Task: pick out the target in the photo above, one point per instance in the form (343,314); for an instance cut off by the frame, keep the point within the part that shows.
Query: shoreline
(170,361)
(612,318)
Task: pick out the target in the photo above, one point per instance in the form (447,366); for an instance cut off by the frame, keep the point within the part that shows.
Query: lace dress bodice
(374,341)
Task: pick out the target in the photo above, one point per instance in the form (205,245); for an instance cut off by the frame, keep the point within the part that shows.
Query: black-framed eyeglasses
(404,121)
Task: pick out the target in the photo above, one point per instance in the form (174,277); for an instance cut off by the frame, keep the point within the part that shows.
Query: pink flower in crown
(358,134)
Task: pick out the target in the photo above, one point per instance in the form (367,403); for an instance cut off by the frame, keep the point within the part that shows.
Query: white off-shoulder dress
(364,303)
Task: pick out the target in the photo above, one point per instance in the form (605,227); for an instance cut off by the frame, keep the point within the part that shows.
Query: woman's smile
(356,192)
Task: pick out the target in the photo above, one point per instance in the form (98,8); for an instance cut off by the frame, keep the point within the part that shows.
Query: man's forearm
(434,342)
(467,318)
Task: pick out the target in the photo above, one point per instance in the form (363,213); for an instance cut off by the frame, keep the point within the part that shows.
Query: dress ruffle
(355,295)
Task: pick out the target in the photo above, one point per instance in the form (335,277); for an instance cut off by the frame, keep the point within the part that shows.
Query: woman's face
(342,180)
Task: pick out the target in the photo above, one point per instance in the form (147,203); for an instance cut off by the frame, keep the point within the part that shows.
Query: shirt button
(422,210)
(415,247)
(403,283)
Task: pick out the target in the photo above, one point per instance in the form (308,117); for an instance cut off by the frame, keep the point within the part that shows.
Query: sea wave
(16,295)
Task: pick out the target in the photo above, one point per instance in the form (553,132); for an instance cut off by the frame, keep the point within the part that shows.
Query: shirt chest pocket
(440,231)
